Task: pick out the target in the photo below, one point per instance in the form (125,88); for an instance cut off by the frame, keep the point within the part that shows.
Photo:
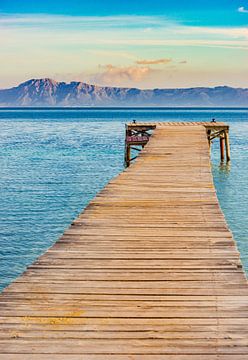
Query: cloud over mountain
(116,74)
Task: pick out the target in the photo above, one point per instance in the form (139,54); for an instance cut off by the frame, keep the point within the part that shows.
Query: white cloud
(232,44)
(74,41)
(62,31)
(129,22)
(214,32)
(121,74)
(242,9)
(154,62)
(81,21)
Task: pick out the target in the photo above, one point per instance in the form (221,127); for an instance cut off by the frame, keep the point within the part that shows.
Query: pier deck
(149,270)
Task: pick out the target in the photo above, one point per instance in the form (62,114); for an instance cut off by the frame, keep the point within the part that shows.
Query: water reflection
(225,167)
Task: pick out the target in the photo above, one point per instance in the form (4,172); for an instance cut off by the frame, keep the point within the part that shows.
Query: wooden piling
(222,148)
(228,154)
(128,155)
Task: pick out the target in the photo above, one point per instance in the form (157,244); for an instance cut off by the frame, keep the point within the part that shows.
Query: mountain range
(48,92)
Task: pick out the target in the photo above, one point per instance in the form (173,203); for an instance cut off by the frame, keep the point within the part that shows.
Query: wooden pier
(149,270)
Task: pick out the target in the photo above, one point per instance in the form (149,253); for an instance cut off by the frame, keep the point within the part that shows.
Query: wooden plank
(121,357)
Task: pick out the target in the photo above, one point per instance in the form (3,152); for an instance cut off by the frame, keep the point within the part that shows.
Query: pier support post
(127,155)
(127,148)
(222,148)
(228,155)
(209,140)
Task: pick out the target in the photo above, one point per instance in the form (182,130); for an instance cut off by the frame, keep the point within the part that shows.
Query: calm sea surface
(53,162)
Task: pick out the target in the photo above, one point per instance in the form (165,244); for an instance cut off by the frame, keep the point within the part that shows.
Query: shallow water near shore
(54,161)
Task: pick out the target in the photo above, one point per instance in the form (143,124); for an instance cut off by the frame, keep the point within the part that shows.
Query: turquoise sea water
(53,162)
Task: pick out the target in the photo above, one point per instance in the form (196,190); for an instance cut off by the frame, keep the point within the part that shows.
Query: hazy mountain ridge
(47,92)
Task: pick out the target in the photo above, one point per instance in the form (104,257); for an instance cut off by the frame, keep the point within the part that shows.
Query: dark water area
(54,161)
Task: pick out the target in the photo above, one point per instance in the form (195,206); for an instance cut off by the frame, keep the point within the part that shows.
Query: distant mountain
(47,92)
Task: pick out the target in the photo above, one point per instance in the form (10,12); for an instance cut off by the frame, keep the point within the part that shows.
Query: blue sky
(211,12)
(125,43)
